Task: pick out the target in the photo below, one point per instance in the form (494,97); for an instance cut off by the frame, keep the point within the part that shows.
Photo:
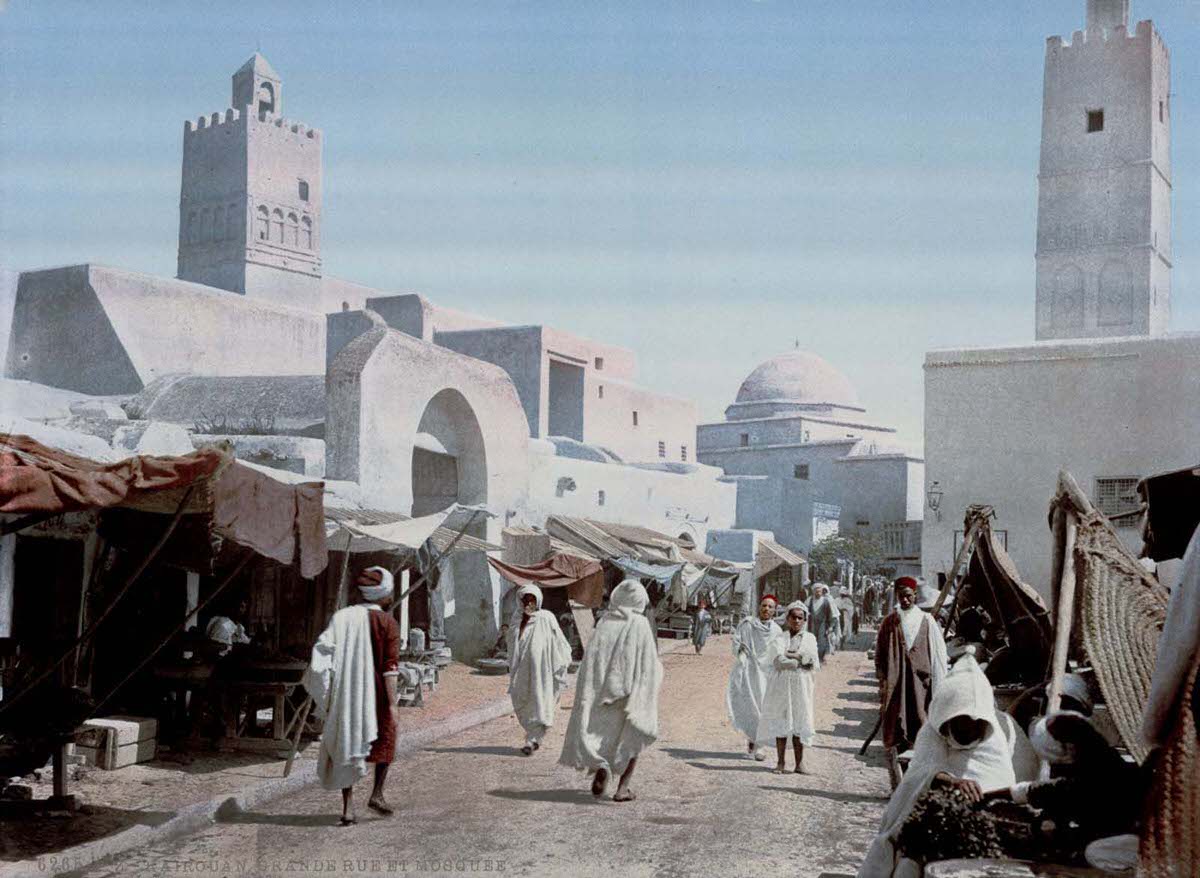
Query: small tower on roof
(1107,15)
(250,196)
(257,85)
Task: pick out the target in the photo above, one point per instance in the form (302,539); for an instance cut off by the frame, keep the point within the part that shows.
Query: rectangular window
(1115,497)
(601,391)
(683,453)
(1095,121)
(599,363)
(600,499)
(662,449)
(635,419)
(303,190)
(744,440)
(800,471)
(1161,114)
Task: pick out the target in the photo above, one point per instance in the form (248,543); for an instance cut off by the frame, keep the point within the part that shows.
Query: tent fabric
(375,530)
(253,507)
(583,579)
(660,573)
(37,479)
(771,556)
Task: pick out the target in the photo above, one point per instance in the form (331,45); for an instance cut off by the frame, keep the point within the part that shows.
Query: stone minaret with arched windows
(1104,183)
(250,197)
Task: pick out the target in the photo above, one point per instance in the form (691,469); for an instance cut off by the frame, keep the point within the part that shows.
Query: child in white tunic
(787,710)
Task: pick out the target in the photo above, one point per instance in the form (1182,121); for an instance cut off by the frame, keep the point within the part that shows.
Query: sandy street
(472,804)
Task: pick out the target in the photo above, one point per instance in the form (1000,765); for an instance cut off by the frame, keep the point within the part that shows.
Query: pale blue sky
(702,182)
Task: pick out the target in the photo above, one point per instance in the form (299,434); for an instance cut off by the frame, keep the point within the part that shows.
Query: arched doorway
(449,464)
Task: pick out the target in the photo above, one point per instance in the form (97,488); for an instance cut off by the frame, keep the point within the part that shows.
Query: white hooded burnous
(539,658)
(787,709)
(747,687)
(995,761)
(615,715)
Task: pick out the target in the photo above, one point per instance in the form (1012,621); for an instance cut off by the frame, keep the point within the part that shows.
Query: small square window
(1119,497)
(599,363)
(1095,121)
(800,471)
(662,449)
(744,440)
(683,453)
(635,419)
(303,190)
(601,391)
(600,499)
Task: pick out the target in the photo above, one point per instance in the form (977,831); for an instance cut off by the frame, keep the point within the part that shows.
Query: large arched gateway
(449,460)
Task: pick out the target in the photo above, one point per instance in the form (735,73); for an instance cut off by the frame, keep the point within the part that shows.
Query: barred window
(800,471)
(1118,495)
(683,453)
(662,449)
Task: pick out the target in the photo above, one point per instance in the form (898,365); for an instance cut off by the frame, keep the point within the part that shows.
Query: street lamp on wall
(935,499)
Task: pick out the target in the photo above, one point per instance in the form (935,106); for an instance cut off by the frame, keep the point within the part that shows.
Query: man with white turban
(539,657)
(352,680)
(966,744)
(748,678)
(615,715)
(787,710)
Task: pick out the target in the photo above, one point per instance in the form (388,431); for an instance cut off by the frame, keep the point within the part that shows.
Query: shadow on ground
(681,753)
(578,797)
(831,795)
(25,837)
(257,817)
(481,750)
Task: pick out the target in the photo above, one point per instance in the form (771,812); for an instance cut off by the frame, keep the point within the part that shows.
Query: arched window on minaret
(293,231)
(307,224)
(266,98)
(219,223)
(1067,306)
(1116,295)
(233,224)
(277,218)
(264,224)
(205,226)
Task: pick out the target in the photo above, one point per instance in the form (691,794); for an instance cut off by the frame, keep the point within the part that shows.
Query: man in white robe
(346,685)
(824,620)
(787,710)
(748,677)
(966,743)
(615,715)
(539,657)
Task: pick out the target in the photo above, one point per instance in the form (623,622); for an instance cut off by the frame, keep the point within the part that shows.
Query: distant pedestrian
(748,677)
(910,663)
(539,657)
(788,706)
(615,715)
(352,680)
(823,621)
(702,626)
(845,607)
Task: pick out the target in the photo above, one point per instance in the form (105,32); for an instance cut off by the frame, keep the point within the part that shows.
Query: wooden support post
(1064,616)
(404,576)
(963,553)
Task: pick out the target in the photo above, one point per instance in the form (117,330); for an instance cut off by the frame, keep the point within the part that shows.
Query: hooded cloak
(539,657)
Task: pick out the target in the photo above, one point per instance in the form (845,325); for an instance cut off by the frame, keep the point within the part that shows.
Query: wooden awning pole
(1064,616)
(967,547)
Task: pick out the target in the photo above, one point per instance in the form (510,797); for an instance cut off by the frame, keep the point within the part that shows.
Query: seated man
(966,744)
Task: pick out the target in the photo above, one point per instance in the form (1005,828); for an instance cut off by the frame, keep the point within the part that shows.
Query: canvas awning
(771,556)
(583,579)
(377,530)
(274,514)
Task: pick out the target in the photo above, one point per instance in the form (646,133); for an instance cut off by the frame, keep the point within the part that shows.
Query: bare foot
(379,805)
(600,783)
(779,769)
(625,796)
(802,769)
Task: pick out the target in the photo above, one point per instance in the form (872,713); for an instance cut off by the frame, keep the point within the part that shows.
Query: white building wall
(1001,422)
(671,503)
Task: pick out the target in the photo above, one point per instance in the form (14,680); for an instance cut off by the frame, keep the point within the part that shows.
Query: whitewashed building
(1106,391)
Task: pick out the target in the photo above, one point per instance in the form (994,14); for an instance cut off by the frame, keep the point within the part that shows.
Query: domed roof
(798,377)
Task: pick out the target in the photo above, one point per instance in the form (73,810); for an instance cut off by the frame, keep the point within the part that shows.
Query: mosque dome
(798,377)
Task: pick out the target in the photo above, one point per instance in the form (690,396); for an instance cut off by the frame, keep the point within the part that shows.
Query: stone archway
(449,462)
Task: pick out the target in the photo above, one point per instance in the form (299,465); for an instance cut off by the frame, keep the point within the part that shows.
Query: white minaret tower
(250,197)
(1104,184)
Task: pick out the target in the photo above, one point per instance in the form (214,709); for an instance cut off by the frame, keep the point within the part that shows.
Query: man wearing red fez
(910,662)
